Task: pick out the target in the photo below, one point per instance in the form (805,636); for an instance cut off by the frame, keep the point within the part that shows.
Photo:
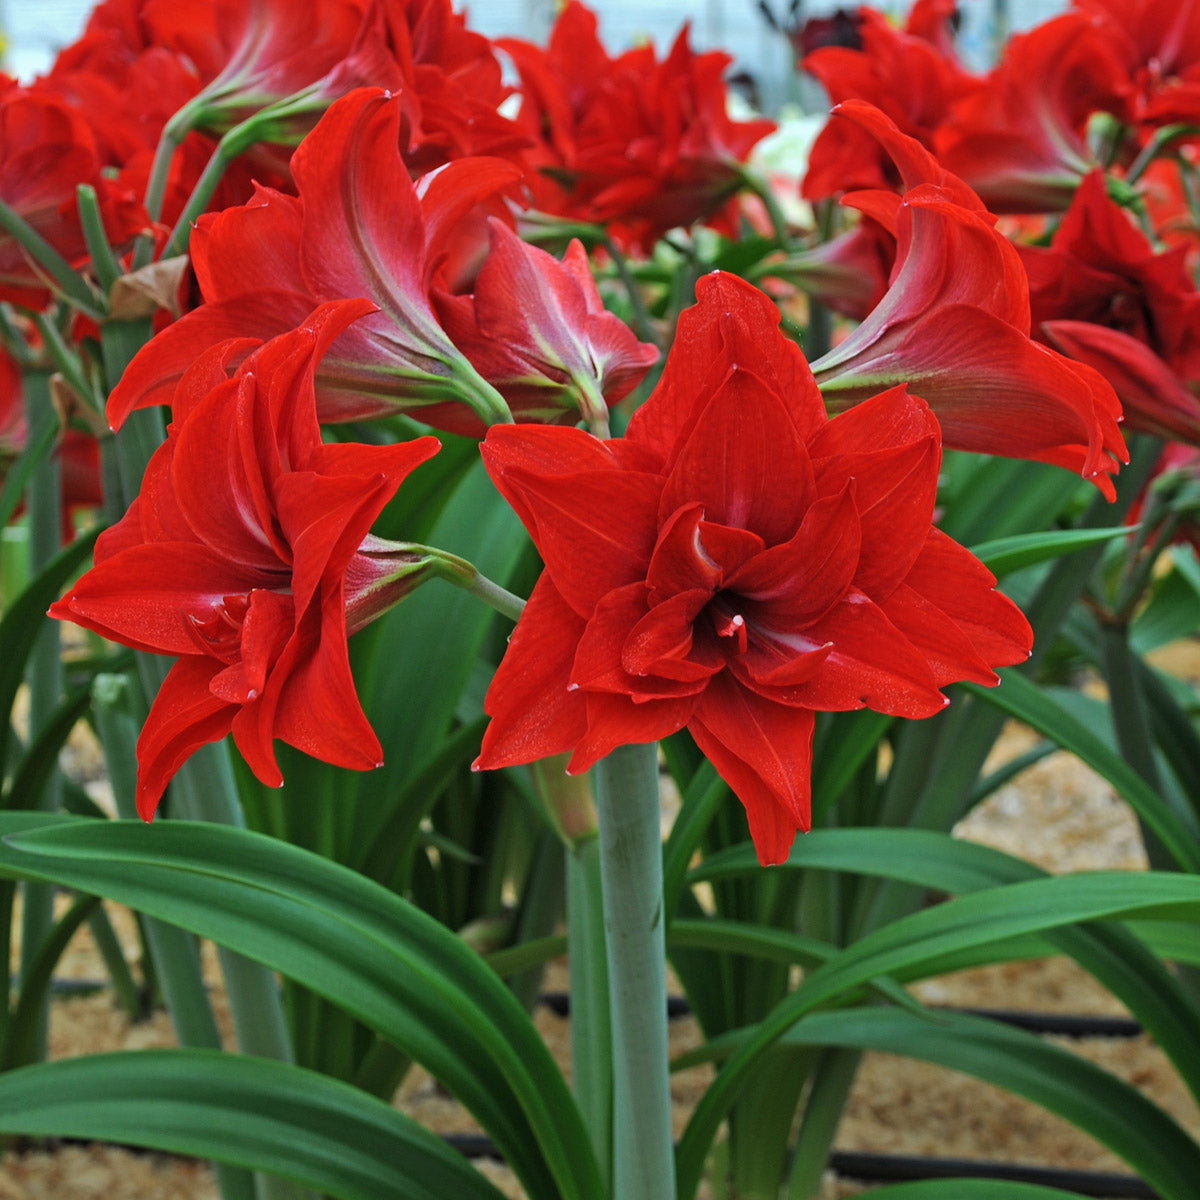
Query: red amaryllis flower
(359,227)
(1102,294)
(954,325)
(640,145)
(251,53)
(1159,43)
(449,78)
(247,556)
(537,330)
(1022,146)
(898,71)
(46,152)
(735,564)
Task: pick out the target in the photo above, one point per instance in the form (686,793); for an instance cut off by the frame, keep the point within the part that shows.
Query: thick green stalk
(591,1027)
(627,805)
(43,500)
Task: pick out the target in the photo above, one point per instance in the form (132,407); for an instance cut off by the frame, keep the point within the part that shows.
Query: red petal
(789,586)
(599,661)
(595,528)
(143,596)
(185,715)
(732,324)
(764,752)
(317,708)
(871,664)
(744,461)
(952,578)
(614,720)
(533,713)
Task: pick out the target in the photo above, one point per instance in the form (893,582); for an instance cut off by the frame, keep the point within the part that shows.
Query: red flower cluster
(734,564)
(1101,293)
(140,61)
(535,329)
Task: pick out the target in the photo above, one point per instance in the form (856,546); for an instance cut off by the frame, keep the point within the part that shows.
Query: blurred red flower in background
(637,144)
(1102,294)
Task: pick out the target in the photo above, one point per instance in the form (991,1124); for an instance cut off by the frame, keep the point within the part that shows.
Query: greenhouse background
(34,31)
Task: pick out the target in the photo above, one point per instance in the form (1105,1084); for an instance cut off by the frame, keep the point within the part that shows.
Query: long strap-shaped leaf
(1087,1095)
(1024,700)
(991,915)
(386,962)
(252,1112)
(1115,956)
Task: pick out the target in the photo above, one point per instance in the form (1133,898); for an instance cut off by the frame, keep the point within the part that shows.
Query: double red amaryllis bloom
(637,144)
(907,74)
(247,555)
(735,564)
(1023,145)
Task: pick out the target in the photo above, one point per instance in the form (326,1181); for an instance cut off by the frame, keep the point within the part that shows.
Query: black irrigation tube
(894,1168)
(1055,1024)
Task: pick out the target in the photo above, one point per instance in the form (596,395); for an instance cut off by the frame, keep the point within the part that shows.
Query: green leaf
(40,759)
(1173,611)
(254,1113)
(1003,556)
(21,471)
(24,617)
(921,938)
(1091,1098)
(1116,957)
(351,941)
(22,1037)
(1024,700)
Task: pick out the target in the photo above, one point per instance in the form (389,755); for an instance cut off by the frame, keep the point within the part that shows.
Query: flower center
(731,625)
(218,634)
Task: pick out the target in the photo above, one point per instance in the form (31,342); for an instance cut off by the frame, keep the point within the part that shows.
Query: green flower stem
(174,131)
(1157,144)
(463,574)
(642,323)
(173,951)
(43,500)
(104,261)
(591,1028)
(237,140)
(65,360)
(627,804)
(69,281)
